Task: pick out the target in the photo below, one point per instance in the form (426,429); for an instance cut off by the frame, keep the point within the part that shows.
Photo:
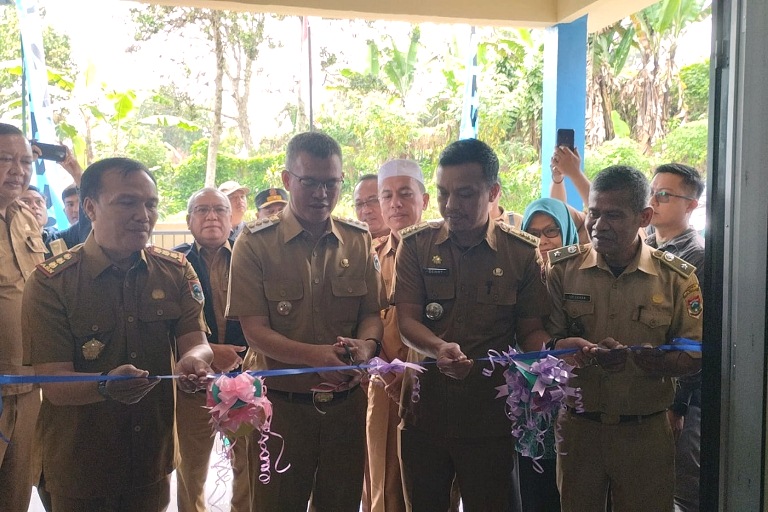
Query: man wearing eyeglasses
(209,220)
(306,288)
(367,208)
(675,193)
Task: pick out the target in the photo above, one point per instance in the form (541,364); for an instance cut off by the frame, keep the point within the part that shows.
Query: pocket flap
(348,287)
(277,290)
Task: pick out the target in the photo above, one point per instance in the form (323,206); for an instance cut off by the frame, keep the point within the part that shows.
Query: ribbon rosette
(536,389)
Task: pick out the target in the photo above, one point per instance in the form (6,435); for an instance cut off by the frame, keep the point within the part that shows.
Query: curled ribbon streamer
(222,468)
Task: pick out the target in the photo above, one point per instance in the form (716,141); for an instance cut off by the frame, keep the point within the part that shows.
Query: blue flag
(49,176)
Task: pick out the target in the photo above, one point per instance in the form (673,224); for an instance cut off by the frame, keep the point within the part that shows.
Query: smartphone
(50,151)
(565,137)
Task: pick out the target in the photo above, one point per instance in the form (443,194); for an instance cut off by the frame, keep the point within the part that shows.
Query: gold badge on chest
(92,349)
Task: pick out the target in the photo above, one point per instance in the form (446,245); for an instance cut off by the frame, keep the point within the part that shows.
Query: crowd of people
(300,287)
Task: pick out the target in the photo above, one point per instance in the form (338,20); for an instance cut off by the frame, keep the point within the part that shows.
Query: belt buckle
(323,397)
(610,419)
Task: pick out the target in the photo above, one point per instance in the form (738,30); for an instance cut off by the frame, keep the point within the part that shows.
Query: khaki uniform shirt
(78,307)
(21,248)
(312,292)
(392,345)
(218,273)
(481,292)
(655,299)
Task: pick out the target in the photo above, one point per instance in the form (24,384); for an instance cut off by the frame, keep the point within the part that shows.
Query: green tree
(695,84)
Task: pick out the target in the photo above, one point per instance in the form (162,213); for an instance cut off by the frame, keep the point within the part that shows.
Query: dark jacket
(234,334)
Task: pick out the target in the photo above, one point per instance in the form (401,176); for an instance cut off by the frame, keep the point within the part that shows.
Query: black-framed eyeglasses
(368,203)
(549,232)
(204,210)
(662,196)
(313,184)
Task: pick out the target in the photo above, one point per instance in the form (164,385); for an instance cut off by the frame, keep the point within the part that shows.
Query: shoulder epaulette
(416,228)
(564,253)
(53,266)
(166,254)
(351,222)
(679,265)
(259,224)
(521,235)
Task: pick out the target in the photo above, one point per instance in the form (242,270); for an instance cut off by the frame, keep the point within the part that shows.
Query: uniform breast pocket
(157,319)
(495,304)
(348,292)
(654,321)
(580,317)
(284,297)
(96,344)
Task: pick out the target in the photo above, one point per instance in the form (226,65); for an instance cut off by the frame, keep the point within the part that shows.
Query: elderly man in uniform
(238,200)
(270,202)
(619,292)
(208,219)
(403,198)
(463,286)
(115,307)
(22,248)
(367,208)
(307,290)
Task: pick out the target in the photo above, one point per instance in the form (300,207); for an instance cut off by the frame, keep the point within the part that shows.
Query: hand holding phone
(52,152)
(565,137)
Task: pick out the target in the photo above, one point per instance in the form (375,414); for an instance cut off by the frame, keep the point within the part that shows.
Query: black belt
(613,419)
(318,397)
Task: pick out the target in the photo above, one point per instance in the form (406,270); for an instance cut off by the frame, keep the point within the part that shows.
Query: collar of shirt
(227,247)
(293,228)
(489,237)
(387,246)
(681,239)
(642,261)
(95,261)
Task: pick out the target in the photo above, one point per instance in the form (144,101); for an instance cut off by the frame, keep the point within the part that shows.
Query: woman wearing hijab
(550,220)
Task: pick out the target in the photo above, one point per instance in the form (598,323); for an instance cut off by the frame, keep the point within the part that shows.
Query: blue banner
(49,176)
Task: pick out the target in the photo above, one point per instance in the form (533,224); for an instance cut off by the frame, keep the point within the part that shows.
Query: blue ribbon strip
(677,344)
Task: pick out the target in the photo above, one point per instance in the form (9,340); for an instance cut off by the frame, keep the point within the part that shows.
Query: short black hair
(472,151)
(69,191)
(624,177)
(90,186)
(366,177)
(9,129)
(317,144)
(691,177)
(34,189)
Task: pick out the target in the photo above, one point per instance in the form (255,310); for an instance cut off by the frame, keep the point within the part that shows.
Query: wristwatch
(378,346)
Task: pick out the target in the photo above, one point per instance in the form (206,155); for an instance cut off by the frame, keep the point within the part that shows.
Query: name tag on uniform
(435,271)
(578,297)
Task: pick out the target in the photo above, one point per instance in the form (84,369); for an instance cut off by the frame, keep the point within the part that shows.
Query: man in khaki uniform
(307,291)
(21,248)
(114,306)
(403,198)
(619,292)
(208,219)
(463,286)
(367,206)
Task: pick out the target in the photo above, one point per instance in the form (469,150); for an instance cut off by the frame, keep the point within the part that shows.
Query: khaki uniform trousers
(195,443)
(636,459)
(326,453)
(17,424)
(383,460)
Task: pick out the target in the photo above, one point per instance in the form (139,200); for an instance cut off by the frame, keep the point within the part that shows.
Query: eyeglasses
(549,232)
(203,211)
(368,203)
(662,196)
(313,184)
